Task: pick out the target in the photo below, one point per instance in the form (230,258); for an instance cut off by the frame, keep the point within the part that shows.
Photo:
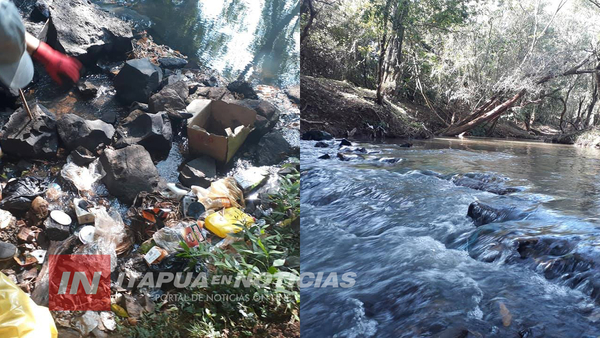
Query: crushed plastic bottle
(227,221)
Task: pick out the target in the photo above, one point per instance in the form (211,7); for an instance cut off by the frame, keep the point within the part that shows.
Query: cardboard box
(218,129)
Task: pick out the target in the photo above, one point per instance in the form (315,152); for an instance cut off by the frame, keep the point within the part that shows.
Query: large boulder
(200,171)
(75,131)
(243,88)
(171,98)
(153,131)
(482,214)
(275,147)
(267,116)
(129,171)
(137,80)
(83,30)
(23,137)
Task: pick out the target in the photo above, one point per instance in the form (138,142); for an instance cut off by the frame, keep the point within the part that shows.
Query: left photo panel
(149,168)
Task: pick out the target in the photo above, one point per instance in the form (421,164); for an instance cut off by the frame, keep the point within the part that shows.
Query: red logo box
(79,282)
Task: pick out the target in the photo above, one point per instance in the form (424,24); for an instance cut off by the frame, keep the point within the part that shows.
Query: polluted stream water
(449,238)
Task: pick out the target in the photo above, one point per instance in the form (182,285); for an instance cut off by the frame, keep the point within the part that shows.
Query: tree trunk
(490,115)
(380,69)
(308,4)
(590,108)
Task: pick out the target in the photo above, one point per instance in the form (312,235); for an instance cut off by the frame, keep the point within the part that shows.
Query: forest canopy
(533,62)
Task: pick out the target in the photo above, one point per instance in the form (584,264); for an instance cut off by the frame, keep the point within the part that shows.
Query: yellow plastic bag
(20,316)
(223,222)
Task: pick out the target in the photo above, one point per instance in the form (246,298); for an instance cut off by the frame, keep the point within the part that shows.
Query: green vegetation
(268,248)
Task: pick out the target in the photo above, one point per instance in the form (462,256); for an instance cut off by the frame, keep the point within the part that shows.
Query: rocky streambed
(117,141)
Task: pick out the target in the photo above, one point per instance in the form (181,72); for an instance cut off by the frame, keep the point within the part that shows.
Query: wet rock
(23,137)
(153,131)
(198,172)
(244,88)
(390,160)
(55,231)
(139,106)
(83,30)
(348,157)
(274,148)
(129,171)
(215,93)
(82,156)
(316,135)
(137,80)
(483,214)
(109,116)
(293,93)
(324,157)
(171,98)
(406,145)
(355,150)
(483,182)
(172,62)
(87,90)
(321,144)
(345,142)
(266,119)
(75,131)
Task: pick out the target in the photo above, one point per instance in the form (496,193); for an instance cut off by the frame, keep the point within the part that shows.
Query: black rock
(30,139)
(109,116)
(406,145)
(389,160)
(85,31)
(153,131)
(345,142)
(483,214)
(324,157)
(321,144)
(172,62)
(267,116)
(274,148)
(483,182)
(55,231)
(137,80)
(87,90)
(129,171)
(316,135)
(75,131)
(82,156)
(349,157)
(199,171)
(139,106)
(244,88)
(171,98)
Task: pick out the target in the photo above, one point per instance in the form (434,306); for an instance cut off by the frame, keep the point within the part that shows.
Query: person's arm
(58,65)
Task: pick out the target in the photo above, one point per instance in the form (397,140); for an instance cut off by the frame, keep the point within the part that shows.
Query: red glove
(58,65)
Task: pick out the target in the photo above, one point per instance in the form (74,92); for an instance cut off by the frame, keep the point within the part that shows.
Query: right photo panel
(449,168)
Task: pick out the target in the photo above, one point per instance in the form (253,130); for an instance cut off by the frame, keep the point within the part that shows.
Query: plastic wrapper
(169,238)
(109,233)
(227,221)
(83,177)
(20,316)
(223,193)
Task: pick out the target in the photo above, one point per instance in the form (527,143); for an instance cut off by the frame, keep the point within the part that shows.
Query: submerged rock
(345,142)
(483,214)
(316,135)
(153,131)
(349,157)
(30,139)
(83,30)
(75,131)
(129,171)
(321,144)
(244,88)
(199,171)
(324,157)
(483,182)
(137,80)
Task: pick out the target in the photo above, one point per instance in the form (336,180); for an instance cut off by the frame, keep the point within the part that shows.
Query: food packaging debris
(194,234)
(26,259)
(84,216)
(223,193)
(86,234)
(173,191)
(154,215)
(227,221)
(40,255)
(169,238)
(54,192)
(207,128)
(60,217)
(155,255)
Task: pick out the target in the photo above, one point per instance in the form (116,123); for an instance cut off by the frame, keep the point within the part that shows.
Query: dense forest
(531,66)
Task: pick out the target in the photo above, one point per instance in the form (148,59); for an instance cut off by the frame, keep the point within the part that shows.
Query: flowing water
(224,35)
(424,269)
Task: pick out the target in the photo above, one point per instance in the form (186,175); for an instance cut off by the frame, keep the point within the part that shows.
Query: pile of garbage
(144,154)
